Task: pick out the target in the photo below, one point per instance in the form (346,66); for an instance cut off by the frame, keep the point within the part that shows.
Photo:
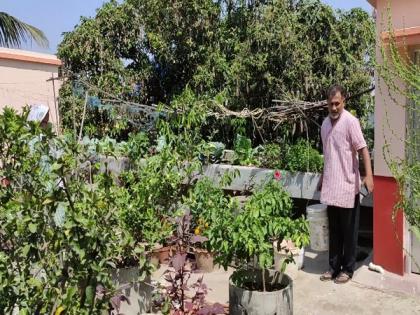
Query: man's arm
(319,186)
(368,180)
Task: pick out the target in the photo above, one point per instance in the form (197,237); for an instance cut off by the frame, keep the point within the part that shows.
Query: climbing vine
(400,70)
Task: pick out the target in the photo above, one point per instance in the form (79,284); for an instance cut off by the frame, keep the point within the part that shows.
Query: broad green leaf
(32,227)
(26,249)
(60,214)
(56,166)
(90,293)
(35,282)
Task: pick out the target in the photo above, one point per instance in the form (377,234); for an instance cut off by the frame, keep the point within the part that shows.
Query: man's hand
(368,182)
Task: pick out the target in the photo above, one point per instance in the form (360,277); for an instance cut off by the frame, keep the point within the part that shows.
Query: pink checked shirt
(341,180)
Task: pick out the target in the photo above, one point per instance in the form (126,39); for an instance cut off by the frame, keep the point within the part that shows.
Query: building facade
(28,78)
(394,246)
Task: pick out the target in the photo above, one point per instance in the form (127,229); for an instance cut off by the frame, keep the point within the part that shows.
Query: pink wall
(390,119)
(23,80)
(405,13)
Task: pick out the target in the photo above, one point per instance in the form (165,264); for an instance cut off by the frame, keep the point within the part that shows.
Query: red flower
(277,175)
(5,182)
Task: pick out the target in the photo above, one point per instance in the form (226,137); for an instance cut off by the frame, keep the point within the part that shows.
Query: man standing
(342,141)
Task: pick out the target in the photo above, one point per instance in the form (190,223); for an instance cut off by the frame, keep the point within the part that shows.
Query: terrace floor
(368,293)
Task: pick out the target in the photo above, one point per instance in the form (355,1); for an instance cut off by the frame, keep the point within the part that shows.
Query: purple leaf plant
(184,298)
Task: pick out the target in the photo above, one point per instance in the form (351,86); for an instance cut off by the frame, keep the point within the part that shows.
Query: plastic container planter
(318,226)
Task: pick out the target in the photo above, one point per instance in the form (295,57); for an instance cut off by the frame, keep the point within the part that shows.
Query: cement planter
(298,184)
(243,301)
(139,293)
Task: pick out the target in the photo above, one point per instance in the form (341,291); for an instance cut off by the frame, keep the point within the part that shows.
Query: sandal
(327,276)
(342,278)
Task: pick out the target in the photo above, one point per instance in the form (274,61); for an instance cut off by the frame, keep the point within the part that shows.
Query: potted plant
(61,236)
(245,154)
(153,189)
(173,298)
(114,261)
(203,257)
(256,288)
(147,197)
(208,205)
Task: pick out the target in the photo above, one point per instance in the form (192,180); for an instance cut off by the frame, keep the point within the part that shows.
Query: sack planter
(204,260)
(248,297)
(138,292)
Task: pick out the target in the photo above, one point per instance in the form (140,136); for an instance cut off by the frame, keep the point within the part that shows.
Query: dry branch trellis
(291,111)
(284,110)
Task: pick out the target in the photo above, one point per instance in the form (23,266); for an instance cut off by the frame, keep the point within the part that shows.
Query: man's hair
(334,89)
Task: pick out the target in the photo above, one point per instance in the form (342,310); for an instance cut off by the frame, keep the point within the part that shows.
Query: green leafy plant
(302,157)
(271,156)
(266,218)
(61,233)
(211,152)
(244,153)
(152,190)
(156,186)
(138,145)
(209,207)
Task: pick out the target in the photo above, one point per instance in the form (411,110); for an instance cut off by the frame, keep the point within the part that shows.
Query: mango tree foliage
(245,53)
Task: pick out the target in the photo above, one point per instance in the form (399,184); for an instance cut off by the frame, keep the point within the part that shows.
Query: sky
(54,17)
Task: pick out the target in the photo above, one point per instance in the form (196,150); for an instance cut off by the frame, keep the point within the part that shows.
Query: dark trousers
(343,226)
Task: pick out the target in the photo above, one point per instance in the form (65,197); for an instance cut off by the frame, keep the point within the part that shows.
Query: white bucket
(318,226)
(280,256)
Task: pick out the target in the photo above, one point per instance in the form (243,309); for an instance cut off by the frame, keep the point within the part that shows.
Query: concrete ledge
(297,184)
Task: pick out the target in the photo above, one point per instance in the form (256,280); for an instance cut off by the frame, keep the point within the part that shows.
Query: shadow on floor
(317,262)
